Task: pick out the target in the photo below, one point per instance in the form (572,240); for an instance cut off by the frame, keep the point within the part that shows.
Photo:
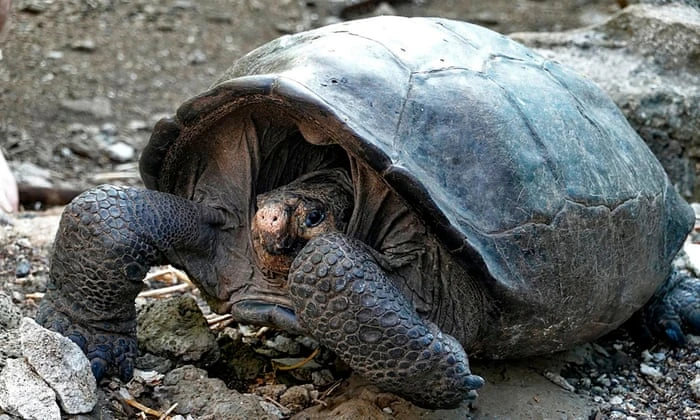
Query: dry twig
(164,290)
(301,363)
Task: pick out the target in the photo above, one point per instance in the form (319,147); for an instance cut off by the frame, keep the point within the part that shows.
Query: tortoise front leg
(107,240)
(342,297)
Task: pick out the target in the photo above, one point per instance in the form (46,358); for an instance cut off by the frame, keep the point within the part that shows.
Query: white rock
(616,400)
(692,252)
(650,371)
(137,125)
(23,393)
(695,387)
(62,364)
(120,152)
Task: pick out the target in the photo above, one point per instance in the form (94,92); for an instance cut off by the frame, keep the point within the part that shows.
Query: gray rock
(23,393)
(23,268)
(10,317)
(61,363)
(322,377)
(203,397)
(9,346)
(646,58)
(150,361)
(31,174)
(296,398)
(10,314)
(98,107)
(33,6)
(175,328)
(283,344)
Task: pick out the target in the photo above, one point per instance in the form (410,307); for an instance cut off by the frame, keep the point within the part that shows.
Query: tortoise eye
(314,218)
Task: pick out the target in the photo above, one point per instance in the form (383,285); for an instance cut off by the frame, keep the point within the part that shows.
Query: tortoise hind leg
(343,298)
(107,240)
(675,308)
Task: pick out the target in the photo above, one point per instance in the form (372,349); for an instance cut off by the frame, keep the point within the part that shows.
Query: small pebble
(322,377)
(24,267)
(585,383)
(296,398)
(55,55)
(307,342)
(99,107)
(84,45)
(109,128)
(695,387)
(650,371)
(283,344)
(120,152)
(197,57)
(137,125)
(33,6)
(384,9)
(659,357)
(24,243)
(616,400)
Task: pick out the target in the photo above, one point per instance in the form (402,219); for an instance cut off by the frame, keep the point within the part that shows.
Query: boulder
(61,363)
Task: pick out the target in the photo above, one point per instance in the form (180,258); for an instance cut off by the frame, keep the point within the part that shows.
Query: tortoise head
(289,216)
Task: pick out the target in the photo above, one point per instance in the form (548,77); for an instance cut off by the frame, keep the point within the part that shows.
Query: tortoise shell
(524,171)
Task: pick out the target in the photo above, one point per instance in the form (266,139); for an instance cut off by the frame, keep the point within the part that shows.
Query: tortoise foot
(675,308)
(109,352)
(107,240)
(343,298)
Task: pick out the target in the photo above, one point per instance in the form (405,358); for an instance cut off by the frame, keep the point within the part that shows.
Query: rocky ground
(81,83)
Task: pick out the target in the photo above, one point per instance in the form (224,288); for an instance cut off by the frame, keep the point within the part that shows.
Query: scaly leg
(107,240)
(343,298)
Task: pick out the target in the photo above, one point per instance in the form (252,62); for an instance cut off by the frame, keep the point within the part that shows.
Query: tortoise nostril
(274,219)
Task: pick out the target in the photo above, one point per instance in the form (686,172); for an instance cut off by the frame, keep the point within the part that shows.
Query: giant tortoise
(405,190)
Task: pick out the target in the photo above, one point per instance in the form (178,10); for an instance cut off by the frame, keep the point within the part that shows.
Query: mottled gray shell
(525,170)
